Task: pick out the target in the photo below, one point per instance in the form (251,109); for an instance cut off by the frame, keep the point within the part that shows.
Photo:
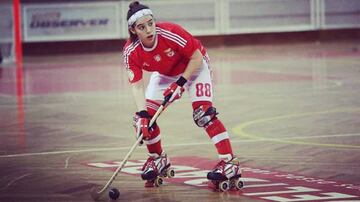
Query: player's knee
(204,114)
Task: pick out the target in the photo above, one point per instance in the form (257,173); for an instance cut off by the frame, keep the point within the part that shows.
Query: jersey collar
(154,46)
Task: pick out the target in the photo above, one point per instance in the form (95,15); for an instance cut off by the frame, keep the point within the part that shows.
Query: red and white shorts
(198,87)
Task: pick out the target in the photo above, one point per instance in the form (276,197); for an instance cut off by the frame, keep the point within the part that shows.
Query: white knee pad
(204,114)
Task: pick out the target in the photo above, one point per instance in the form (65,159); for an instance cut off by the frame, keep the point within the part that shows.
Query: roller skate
(226,176)
(155,169)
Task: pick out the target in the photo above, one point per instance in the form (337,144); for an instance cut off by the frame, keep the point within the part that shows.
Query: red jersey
(170,55)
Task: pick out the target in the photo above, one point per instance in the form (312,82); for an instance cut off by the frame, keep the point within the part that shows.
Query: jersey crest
(169,52)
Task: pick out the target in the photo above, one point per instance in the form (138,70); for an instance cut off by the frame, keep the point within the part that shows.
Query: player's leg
(158,160)
(205,116)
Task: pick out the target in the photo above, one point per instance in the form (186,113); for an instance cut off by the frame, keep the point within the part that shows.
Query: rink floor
(293,112)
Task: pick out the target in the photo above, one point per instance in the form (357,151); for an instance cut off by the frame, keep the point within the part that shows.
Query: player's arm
(194,64)
(138,90)
(135,79)
(142,117)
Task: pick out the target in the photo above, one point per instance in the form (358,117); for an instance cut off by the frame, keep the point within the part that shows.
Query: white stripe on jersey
(171,36)
(128,51)
(172,39)
(171,33)
(131,46)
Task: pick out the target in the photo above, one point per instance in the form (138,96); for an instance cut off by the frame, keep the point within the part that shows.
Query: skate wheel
(224,186)
(239,184)
(158,181)
(170,173)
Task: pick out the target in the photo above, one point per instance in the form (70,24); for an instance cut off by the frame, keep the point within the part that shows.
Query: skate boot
(226,175)
(155,169)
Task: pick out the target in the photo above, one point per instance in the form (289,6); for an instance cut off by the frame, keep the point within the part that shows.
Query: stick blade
(95,195)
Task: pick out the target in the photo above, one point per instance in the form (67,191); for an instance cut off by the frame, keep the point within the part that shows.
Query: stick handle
(152,121)
(160,109)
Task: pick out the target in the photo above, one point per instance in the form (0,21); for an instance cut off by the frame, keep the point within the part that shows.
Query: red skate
(226,176)
(155,169)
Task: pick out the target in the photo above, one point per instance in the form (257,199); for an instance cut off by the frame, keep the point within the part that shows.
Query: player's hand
(141,124)
(175,90)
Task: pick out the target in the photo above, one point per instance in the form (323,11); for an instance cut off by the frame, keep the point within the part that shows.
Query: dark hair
(134,7)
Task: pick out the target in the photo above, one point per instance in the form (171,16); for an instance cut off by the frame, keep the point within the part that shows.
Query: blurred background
(93,25)
(287,84)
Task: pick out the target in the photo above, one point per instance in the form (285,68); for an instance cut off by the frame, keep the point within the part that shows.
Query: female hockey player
(179,63)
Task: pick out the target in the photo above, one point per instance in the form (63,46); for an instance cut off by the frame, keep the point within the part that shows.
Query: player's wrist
(181,81)
(143,114)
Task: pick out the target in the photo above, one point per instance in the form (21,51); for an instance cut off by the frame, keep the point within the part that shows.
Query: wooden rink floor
(293,112)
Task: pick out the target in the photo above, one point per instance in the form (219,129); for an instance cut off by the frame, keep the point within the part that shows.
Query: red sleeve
(187,42)
(131,63)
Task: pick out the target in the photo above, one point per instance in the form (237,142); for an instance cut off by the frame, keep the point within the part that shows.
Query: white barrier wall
(341,13)
(269,16)
(6,31)
(200,16)
(86,20)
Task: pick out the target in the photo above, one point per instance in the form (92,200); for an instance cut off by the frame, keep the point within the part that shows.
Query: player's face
(145,30)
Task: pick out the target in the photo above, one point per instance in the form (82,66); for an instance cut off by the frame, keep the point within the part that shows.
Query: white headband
(138,15)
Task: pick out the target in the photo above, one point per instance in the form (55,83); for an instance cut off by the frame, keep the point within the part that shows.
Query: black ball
(114,193)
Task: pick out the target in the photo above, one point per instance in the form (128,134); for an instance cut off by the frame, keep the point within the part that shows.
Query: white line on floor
(14,180)
(67,162)
(170,145)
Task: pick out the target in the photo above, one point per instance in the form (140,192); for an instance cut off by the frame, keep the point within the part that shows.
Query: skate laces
(234,165)
(155,162)
(223,165)
(220,166)
(234,161)
(150,163)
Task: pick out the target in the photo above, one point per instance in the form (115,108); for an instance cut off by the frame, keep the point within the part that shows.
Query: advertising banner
(71,21)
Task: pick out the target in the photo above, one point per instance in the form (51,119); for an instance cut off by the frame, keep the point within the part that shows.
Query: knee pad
(204,114)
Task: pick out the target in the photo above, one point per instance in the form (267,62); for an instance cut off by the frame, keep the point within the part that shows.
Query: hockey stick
(96,195)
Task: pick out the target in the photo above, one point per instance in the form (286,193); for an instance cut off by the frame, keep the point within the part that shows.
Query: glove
(141,123)
(175,90)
